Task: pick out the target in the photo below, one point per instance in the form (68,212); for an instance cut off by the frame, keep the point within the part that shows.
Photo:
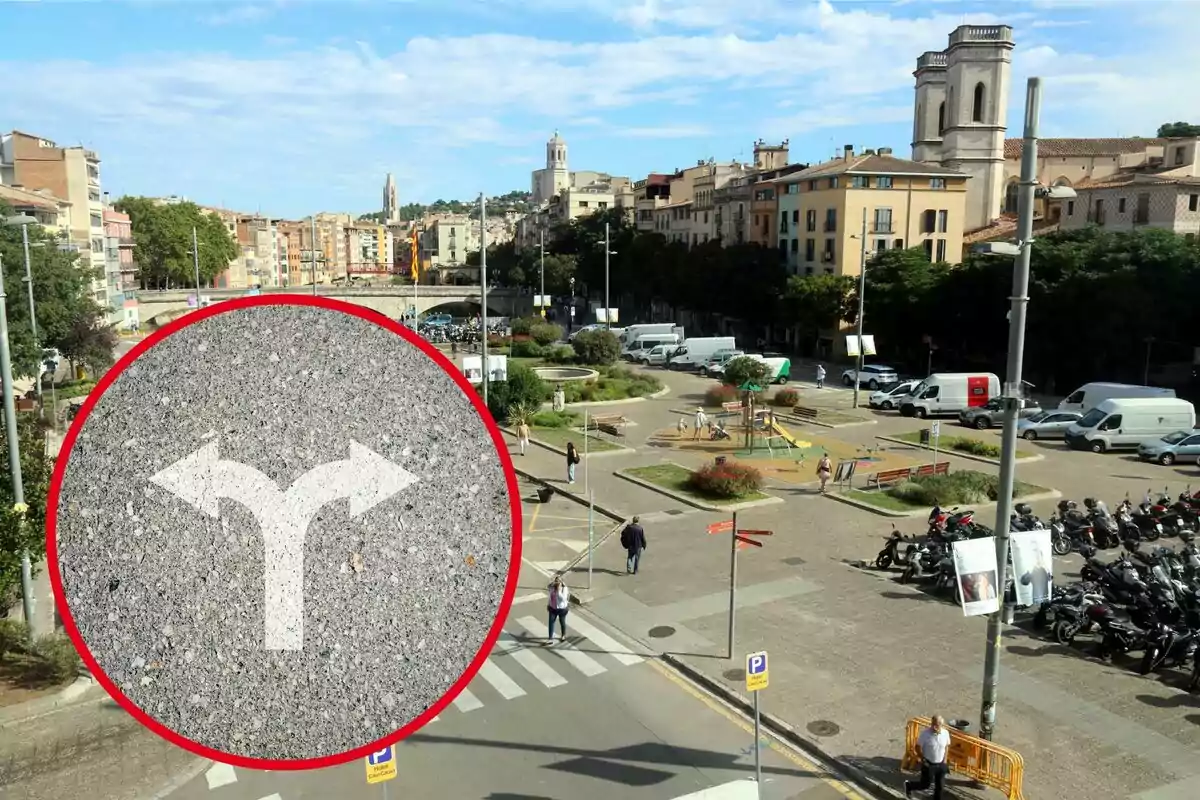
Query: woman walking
(522,435)
(572,460)
(824,470)
(560,604)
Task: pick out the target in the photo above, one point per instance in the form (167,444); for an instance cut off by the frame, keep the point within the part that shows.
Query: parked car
(989,414)
(889,396)
(873,375)
(595,326)
(1177,446)
(657,356)
(718,360)
(1050,424)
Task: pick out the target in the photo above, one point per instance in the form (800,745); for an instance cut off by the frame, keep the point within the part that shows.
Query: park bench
(730,408)
(888,477)
(26,404)
(927,470)
(612,424)
(809,414)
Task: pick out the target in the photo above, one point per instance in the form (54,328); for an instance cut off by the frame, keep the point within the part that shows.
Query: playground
(782,453)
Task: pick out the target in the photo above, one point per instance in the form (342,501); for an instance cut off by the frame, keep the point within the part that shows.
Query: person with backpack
(572,461)
(633,539)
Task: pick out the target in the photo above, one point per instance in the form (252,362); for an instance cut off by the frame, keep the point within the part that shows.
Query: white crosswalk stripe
(568,652)
(506,686)
(619,651)
(532,664)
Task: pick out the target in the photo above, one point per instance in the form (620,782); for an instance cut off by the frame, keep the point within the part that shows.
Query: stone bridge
(157,308)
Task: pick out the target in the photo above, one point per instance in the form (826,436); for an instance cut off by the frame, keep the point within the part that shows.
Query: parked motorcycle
(892,552)
(1168,646)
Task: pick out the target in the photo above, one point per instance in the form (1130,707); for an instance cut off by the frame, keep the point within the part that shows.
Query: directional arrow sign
(366,479)
(721,527)
(743,540)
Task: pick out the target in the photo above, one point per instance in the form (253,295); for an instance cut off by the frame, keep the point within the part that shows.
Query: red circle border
(107,380)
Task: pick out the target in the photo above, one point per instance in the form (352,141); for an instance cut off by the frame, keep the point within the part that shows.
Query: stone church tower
(961,113)
(391,207)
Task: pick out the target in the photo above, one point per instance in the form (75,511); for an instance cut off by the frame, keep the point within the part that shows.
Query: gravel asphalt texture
(170,601)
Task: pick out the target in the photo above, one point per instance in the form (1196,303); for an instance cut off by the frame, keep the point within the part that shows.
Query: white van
(630,334)
(719,359)
(697,350)
(1090,395)
(948,393)
(1126,422)
(644,344)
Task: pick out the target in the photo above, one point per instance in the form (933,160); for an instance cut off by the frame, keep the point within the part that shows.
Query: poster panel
(976,573)
(1033,566)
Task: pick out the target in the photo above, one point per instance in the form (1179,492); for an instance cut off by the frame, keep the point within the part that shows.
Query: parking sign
(381,765)
(756,671)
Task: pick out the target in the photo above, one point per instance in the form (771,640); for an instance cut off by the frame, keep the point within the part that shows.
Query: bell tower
(929,110)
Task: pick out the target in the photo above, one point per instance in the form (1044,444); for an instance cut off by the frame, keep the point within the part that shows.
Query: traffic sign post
(757,680)
(935,430)
(737,540)
(381,767)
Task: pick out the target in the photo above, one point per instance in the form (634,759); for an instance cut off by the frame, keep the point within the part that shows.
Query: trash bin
(544,494)
(720,461)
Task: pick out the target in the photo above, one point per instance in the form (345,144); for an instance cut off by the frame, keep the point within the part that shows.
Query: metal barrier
(978,759)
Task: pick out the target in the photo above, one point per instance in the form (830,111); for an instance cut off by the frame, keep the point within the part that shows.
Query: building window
(793,188)
(980,97)
(756,220)
(928,218)
(810,250)
(880,245)
(808,270)
(941,249)
(941,119)
(783,245)
(1070,208)
(937,183)
(829,253)
(1142,215)
(943,221)
(810,220)
(583,203)
(603,203)
(795,245)
(783,226)
(97,221)
(834,182)
(812,186)
(1121,205)
(883,221)
(1012,198)
(883,182)
(830,220)
(1192,201)
(928,245)
(860,182)
(898,244)
(795,216)
(1178,156)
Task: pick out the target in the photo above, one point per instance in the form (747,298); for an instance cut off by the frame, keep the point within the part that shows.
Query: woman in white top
(560,604)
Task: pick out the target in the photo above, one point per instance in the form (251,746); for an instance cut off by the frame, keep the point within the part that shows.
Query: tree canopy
(1172,129)
(15,537)
(61,292)
(516,200)
(162,236)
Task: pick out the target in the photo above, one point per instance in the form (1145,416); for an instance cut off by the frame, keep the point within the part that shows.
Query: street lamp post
(862,290)
(542,267)
(314,252)
(24,221)
(14,450)
(196,263)
(607,307)
(483,309)
(571,306)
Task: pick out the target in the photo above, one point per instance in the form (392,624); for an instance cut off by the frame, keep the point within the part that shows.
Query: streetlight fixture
(24,221)
(862,290)
(608,251)
(483,309)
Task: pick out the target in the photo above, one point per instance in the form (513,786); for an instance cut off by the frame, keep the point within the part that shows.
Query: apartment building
(120,271)
(1161,192)
(820,214)
(52,213)
(764,205)
(714,177)
(674,221)
(650,193)
(447,239)
(372,248)
(72,173)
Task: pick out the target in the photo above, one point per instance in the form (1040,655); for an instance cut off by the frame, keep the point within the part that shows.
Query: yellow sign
(381,765)
(756,672)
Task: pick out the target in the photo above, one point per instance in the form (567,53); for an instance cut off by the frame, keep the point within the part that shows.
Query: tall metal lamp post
(24,221)
(862,291)
(608,251)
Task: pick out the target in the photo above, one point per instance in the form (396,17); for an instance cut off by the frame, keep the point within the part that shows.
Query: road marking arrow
(366,479)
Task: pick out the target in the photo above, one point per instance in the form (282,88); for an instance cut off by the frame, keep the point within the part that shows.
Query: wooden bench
(730,408)
(612,424)
(805,413)
(928,470)
(888,477)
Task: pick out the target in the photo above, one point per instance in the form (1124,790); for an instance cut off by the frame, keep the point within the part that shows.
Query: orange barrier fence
(978,759)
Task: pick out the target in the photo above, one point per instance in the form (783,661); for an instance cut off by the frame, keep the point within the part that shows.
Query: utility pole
(314,252)
(483,308)
(33,313)
(196,263)
(607,253)
(14,451)
(862,289)
(1012,395)
(542,267)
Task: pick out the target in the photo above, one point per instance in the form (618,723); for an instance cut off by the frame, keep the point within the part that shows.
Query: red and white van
(948,393)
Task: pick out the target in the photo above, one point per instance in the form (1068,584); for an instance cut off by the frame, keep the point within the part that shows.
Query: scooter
(892,553)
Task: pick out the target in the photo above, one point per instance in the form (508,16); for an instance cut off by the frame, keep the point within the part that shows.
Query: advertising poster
(472,367)
(1033,566)
(975,570)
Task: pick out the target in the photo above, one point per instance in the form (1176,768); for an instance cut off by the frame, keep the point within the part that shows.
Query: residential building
(764,207)
(371,248)
(1162,193)
(120,271)
(960,114)
(704,210)
(444,245)
(73,174)
(259,244)
(732,199)
(575,202)
(292,269)
(674,221)
(52,213)
(821,211)
(650,193)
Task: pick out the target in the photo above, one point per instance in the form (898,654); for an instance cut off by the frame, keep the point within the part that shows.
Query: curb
(832,425)
(783,730)
(995,462)
(35,708)
(654,396)
(613,514)
(1053,494)
(700,504)
(620,450)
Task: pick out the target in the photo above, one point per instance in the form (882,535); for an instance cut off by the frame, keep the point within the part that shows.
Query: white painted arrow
(203,478)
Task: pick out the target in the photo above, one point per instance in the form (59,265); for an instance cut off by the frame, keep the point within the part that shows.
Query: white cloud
(664,132)
(238,15)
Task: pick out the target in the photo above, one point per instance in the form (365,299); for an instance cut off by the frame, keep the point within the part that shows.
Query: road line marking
(533,519)
(503,684)
(219,775)
(534,665)
(275,796)
(576,658)
(467,702)
(614,648)
(525,598)
(735,790)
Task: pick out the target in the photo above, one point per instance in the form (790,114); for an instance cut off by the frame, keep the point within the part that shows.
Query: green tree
(162,237)
(1180,129)
(818,303)
(742,369)
(522,388)
(61,292)
(545,333)
(15,537)
(597,347)
(90,342)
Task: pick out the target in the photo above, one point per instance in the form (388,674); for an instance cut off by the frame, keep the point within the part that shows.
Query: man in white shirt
(932,744)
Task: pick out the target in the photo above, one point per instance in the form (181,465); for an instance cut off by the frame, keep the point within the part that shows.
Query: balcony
(91,155)
(931,60)
(125,241)
(827,258)
(882,226)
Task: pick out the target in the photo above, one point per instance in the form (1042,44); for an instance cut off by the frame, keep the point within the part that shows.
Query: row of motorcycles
(470,333)
(1146,600)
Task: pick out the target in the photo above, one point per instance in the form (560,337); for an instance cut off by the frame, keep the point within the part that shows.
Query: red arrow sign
(744,541)
(721,527)
(755,533)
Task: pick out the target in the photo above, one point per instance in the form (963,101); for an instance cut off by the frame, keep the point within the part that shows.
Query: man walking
(820,376)
(932,745)
(633,539)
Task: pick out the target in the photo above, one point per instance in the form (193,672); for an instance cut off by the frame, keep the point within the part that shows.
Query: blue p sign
(756,663)
(380,756)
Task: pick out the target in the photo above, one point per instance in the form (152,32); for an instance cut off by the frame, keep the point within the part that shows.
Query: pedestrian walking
(522,435)
(824,470)
(700,420)
(633,539)
(572,460)
(932,745)
(559,605)
(820,376)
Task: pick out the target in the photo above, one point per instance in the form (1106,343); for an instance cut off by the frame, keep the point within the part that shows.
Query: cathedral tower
(391,207)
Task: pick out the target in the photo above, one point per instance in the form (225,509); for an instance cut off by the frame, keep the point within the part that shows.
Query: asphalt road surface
(588,719)
(212,563)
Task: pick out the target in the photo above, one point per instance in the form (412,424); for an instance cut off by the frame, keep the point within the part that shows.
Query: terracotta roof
(869,165)
(1068,148)
(27,198)
(1137,179)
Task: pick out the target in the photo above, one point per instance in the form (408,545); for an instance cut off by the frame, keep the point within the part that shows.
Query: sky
(289,106)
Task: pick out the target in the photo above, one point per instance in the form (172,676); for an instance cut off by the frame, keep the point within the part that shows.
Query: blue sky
(289,106)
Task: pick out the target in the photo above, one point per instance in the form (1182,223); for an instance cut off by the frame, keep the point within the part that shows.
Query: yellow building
(905,203)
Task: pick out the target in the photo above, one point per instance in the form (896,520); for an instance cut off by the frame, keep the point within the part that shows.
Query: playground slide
(783,432)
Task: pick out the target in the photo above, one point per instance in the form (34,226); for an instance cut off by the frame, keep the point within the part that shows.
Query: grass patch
(559,436)
(555,419)
(965,488)
(72,389)
(963,444)
(837,417)
(679,479)
(880,500)
(613,383)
